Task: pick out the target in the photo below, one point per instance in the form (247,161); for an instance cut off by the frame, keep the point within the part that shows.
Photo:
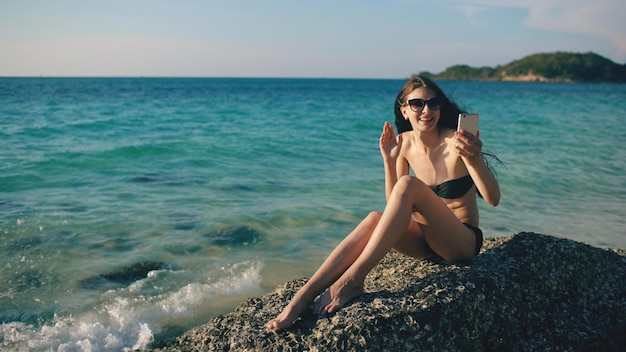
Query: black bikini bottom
(479,237)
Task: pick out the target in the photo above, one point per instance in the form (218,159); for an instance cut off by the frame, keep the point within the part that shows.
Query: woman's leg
(337,262)
(341,258)
(443,232)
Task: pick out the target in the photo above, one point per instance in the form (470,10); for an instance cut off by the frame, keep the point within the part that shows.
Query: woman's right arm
(393,162)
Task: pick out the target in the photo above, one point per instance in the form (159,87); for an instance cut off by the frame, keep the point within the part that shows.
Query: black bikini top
(454,188)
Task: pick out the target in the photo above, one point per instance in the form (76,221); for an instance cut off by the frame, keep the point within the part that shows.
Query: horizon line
(203,77)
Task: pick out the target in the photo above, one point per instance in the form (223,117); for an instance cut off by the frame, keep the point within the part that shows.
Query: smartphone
(468,122)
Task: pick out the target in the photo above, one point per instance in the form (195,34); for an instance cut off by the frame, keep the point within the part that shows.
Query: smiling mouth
(428,119)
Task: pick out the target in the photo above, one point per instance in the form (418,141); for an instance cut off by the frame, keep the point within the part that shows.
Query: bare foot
(319,307)
(338,295)
(289,315)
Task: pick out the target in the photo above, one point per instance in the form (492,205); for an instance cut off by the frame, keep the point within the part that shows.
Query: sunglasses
(418,104)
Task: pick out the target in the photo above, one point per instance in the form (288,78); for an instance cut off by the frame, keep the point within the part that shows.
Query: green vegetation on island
(543,67)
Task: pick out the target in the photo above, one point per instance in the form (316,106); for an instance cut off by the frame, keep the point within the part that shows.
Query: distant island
(543,67)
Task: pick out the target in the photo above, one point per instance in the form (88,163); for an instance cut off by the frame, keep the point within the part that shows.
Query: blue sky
(291,38)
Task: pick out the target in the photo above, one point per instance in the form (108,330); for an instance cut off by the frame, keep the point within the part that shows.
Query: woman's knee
(372,219)
(365,228)
(409,185)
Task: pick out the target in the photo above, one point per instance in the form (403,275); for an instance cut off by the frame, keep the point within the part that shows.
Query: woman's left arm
(469,148)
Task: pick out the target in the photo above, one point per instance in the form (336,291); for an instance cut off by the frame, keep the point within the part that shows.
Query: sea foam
(121,322)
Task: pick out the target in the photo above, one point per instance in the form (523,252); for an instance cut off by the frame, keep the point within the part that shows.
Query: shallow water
(237,185)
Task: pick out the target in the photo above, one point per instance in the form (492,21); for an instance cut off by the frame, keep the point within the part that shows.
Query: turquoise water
(225,188)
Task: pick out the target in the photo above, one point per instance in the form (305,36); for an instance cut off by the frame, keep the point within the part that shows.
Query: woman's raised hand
(389,143)
(468,146)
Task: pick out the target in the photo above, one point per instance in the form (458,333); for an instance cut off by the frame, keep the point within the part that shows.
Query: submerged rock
(124,276)
(27,280)
(525,292)
(235,236)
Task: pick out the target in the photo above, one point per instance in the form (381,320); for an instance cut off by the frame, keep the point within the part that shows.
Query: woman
(434,213)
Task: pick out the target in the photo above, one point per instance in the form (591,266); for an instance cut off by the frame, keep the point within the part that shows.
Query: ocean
(132,209)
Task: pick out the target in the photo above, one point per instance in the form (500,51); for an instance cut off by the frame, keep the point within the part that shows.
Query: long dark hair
(449,110)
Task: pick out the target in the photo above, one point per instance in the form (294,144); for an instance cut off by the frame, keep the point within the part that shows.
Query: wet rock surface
(524,292)
(123,276)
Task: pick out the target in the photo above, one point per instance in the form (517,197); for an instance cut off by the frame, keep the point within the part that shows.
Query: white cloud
(472,12)
(601,18)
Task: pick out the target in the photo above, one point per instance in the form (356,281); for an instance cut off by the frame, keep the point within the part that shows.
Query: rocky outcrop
(525,292)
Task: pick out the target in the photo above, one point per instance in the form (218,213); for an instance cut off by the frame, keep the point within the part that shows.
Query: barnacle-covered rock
(525,292)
